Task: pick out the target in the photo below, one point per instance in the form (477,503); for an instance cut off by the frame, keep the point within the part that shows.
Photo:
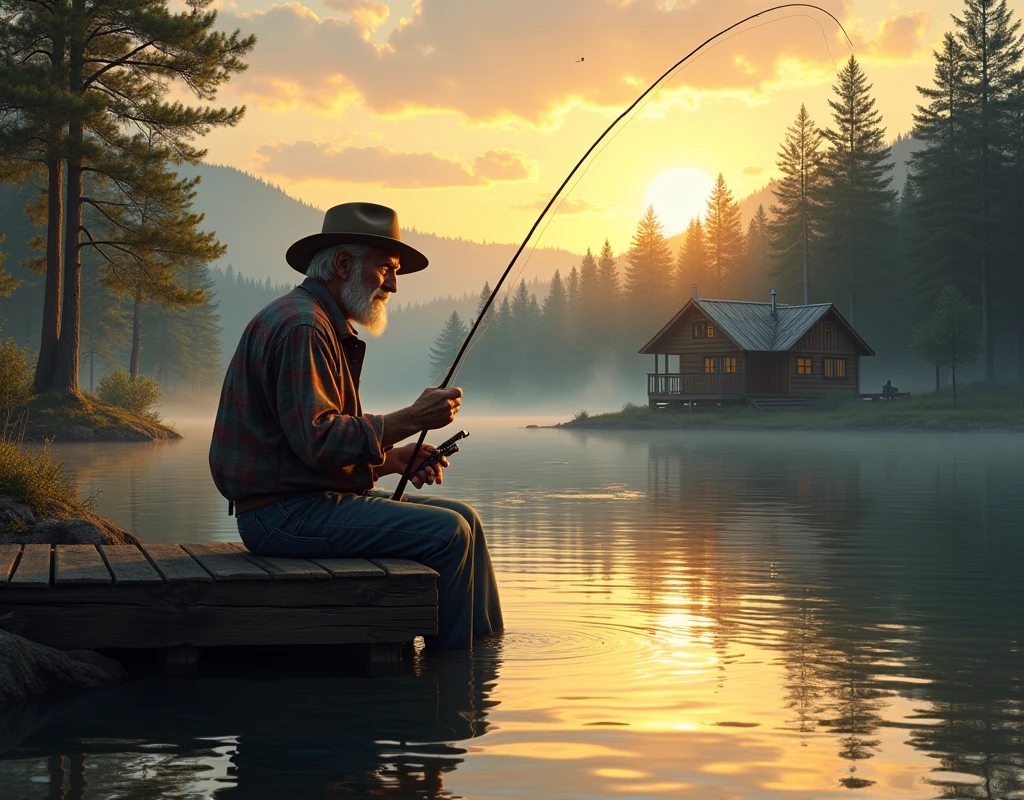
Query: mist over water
(691,614)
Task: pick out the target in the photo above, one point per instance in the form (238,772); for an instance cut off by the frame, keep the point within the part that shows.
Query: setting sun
(678,195)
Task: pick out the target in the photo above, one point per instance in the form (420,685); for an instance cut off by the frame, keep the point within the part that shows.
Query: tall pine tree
(856,238)
(723,234)
(446,346)
(692,261)
(648,277)
(794,215)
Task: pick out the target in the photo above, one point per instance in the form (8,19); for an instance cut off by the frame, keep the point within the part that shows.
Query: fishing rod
(400,490)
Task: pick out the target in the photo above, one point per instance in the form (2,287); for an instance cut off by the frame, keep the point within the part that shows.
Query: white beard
(365,305)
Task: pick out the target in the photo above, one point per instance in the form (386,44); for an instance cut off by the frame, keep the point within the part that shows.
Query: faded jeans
(446,535)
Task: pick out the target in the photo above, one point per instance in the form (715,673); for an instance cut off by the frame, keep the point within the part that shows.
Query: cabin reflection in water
(866,611)
(285,733)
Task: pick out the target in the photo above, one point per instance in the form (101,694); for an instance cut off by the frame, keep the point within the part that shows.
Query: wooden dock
(166,596)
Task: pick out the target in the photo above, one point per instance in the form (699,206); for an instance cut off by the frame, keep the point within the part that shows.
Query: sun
(678,195)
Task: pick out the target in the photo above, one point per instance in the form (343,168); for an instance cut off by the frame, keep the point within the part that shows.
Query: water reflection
(277,733)
(690,613)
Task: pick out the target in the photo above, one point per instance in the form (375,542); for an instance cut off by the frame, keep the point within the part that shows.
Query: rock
(60,525)
(28,669)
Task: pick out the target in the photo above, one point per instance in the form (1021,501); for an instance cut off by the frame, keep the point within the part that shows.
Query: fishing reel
(447,448)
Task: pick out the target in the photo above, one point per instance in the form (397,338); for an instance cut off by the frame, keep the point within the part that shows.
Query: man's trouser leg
(428,530)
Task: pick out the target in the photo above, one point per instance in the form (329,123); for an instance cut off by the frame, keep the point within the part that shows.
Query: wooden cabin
(762,354)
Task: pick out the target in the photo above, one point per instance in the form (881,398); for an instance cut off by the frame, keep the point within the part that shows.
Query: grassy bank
(977,409)
(67,419)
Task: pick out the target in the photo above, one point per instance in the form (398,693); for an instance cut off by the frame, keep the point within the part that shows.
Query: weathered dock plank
(223,561)
(98,627)
(129,565)
(285,568)
(33,569)
(79,563)
(350,567)
(404,568)
(174,564)
(8,556)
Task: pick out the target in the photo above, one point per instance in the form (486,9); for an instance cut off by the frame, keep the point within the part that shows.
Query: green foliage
(137,396)
(30,474)
(723,234)
(633,408)
(649,269)
(447,344)
(581,415)
(952,336)
(16,368)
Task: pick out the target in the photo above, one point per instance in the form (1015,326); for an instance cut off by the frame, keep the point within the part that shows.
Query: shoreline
(905,426)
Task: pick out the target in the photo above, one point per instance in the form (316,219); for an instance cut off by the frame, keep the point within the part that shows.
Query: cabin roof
(753,328)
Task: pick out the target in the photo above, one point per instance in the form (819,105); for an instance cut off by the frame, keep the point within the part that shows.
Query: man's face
(363,292)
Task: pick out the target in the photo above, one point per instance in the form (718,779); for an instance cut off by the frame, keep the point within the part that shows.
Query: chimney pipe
(694,291)
(773,303)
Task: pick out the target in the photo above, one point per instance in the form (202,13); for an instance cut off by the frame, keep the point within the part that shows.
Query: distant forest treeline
(839,225)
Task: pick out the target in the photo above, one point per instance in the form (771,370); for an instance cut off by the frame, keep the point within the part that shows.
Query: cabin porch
(723,379)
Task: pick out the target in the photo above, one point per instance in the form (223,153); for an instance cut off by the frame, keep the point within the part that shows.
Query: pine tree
(795,217)
(648,277)
(116,62)
(723,234)
(992,53)
(447,344)
(940,190)
(856,199)
(755,256)
(692,260)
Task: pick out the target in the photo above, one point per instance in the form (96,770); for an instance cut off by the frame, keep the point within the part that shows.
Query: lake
(690,615)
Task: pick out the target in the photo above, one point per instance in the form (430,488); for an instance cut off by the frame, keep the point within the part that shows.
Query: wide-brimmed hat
(357,223)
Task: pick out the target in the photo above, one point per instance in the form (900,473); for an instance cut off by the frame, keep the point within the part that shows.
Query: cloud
(504,63)
(316,161)
(898,38)
(365,15)
(752,171)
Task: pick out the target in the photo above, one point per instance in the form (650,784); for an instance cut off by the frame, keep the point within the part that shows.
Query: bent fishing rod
(400,490)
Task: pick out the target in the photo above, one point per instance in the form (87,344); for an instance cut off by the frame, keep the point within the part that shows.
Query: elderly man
(297,458)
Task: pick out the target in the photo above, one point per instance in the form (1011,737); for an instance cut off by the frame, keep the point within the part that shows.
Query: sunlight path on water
(691,614)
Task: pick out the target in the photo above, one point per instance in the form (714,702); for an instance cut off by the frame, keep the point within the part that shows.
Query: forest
(139,285)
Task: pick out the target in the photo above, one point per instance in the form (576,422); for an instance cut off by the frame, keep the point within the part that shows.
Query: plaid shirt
(289,418)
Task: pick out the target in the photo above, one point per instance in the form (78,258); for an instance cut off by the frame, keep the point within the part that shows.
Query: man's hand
(397,459)
(433,409)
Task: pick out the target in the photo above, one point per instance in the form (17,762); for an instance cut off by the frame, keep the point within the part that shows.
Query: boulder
(19,524)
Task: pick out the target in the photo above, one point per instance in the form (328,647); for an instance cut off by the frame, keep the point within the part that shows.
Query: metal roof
(753,328)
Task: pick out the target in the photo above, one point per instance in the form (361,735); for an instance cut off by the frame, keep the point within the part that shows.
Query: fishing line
(483,312)
(636,113)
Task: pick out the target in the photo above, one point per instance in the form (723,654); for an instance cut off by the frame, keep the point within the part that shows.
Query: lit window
(803,366)
(709,365)
(729,364)
(835,367)
(703,330)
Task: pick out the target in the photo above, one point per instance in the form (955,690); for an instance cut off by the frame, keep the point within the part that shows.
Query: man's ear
(342,264)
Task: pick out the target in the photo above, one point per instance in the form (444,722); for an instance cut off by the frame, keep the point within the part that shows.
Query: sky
(466,115)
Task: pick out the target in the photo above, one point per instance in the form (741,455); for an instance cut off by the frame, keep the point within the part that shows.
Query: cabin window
(729,364)
(835,367)
(803,366)
(709,365)
(828,331)
(703,330)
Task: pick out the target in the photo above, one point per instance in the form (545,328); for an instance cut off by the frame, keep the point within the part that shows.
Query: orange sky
(465,115)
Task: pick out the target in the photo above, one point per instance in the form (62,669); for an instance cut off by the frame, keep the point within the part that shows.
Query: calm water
(699,615)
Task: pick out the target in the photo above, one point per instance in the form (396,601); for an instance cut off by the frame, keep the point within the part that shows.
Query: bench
(173,596)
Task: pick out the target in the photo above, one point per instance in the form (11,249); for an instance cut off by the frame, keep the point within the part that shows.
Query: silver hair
(321,265)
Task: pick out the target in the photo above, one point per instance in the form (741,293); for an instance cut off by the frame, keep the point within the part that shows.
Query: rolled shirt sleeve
(312,391)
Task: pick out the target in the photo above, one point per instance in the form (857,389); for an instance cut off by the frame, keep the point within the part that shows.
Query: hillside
(258,221)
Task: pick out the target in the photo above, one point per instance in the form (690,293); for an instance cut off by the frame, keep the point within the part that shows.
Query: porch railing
(693,383)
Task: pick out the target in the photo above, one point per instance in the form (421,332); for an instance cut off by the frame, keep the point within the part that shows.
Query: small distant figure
(579,59)
(889,390)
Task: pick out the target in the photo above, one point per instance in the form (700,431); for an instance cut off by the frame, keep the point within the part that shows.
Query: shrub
(16,370)
(581,414)
(633,408)
(139,396)
(30,475)
(833,401)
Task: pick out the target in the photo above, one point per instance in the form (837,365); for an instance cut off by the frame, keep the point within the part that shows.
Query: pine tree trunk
(65,373)
(807,266)
(50,334)
(133,365)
